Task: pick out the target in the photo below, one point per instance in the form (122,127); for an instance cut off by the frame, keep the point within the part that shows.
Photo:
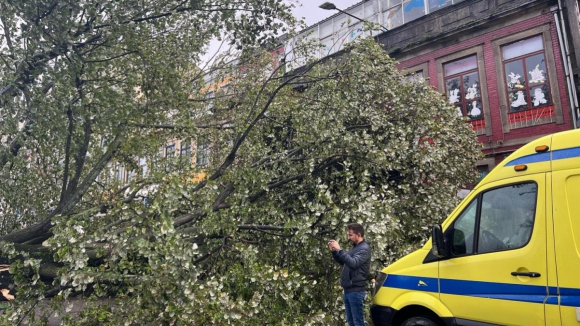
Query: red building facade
(504,71)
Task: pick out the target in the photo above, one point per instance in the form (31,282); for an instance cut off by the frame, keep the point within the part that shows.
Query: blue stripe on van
(425,284)
(502,291)
(553,300)
(566,153)
(492,290)
(528,159)
(570,297)
(544,157)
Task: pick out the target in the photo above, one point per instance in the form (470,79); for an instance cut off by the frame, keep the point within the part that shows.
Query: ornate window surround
(478,51)
(544,31)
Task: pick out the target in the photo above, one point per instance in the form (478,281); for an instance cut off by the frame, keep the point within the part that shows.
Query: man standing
(356,264)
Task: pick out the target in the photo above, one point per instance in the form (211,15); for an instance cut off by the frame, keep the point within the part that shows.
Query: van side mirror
(438,241)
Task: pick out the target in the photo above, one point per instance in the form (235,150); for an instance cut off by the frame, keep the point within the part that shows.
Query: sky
(307,9)
(312,14)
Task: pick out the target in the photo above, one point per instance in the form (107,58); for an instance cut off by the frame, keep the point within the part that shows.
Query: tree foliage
(90,87)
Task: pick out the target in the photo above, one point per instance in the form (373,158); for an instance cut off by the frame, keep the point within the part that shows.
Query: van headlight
(379,281)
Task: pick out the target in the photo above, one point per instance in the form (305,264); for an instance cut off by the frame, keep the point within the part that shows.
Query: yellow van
(509,254)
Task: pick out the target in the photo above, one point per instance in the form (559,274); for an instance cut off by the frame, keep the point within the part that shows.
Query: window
(418,73)
(210,98)
(143,166)
(462,87)
(398,12)
(413,9)
(170,150)
(185,149)
(119,172)
(463,230)
(526,75)
(185,153)
(416,77)
(460,78)
(482,171)
(169,155)
(499,219)
(393,17)
(438,4)
(527,79)
(202,154)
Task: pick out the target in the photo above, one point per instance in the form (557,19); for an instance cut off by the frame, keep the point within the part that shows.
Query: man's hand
(333,245)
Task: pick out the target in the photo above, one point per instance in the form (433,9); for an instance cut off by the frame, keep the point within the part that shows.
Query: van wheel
(419,321)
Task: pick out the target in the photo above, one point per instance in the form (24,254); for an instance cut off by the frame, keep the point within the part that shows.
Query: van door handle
(530,274)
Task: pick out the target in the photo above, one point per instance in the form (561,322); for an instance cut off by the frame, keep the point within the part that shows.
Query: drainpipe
(564,49)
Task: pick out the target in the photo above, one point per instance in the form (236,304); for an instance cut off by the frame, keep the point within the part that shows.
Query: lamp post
(331,6)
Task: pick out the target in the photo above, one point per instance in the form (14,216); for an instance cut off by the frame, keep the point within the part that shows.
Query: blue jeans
(354,306)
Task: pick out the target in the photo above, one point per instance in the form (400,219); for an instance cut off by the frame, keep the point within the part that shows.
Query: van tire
(419,321)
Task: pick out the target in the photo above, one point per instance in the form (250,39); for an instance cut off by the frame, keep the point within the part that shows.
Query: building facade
(509,66)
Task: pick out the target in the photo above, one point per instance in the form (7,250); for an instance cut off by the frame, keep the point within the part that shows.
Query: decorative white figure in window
(537,75)
(472,92)
(515,80)
(475,111)
(539,97)
(520,100)
(454,95)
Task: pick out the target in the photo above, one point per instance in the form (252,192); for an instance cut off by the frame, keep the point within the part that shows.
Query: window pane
(438,4)
(474,110)
(460,65)
(326,29)
(357,11)
(413,9)
(393,17)
(143,166)
(536,69)
(170,150)
(340,22)
(463,230)
(416,77)
(460,110)
(507,217)
(355,31)
(515,75)
(370,9)
(454,90)
(522,47)
(185,149)
(541,96)
(518,100)
(327,46)
(471,86)
(202,154)
(389,3)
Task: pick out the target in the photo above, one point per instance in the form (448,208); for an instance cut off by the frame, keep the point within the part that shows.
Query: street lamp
(331,6)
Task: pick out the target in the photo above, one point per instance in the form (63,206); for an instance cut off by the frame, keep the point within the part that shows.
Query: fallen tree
(294,156)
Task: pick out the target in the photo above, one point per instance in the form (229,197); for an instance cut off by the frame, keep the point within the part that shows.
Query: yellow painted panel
(569,316)
(566,211)
(566,150)
(573,200)
(553,315)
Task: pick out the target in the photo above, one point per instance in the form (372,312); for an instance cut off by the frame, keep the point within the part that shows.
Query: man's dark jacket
(356,264)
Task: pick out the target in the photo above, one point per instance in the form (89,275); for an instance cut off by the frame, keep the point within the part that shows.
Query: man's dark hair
(356,228)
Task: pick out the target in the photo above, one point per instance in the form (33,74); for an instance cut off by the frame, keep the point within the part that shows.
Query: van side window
(498,219)
(507,217)
(463,230)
